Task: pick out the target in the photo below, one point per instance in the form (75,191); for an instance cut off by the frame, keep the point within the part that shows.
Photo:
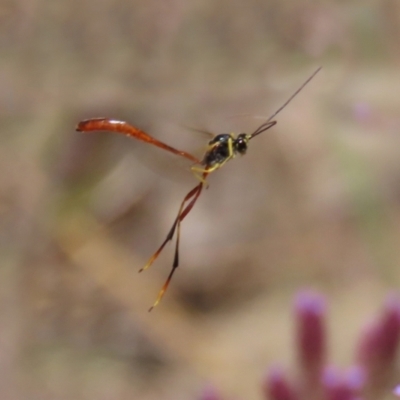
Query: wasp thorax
(221,138)
(219,150)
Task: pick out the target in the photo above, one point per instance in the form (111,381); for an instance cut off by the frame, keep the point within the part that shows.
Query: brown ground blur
(315,202)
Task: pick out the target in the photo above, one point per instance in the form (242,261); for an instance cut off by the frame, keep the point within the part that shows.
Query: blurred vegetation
(315,203)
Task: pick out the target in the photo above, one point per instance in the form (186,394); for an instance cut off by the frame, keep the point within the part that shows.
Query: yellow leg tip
(148,264)
(143,268)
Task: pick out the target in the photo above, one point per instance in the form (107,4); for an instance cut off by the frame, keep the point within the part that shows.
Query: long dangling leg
(183,212)
(172,230)
(181,217)
(193,195)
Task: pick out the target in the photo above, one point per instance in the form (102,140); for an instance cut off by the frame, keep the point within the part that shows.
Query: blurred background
(315,203)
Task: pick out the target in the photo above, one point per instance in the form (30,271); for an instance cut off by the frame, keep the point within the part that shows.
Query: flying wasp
(221,149)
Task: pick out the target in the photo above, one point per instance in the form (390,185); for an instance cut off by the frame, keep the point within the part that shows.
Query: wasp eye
(241,144)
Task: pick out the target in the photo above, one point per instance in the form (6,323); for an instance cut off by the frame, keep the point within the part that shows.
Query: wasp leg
(193,195)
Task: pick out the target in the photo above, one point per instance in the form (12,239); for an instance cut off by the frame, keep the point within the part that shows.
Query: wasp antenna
(293,95)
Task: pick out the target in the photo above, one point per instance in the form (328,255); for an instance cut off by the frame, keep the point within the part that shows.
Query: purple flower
(277,387)
(316,380)
(378,345)
(339,385)
(310,311)
(375,356)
